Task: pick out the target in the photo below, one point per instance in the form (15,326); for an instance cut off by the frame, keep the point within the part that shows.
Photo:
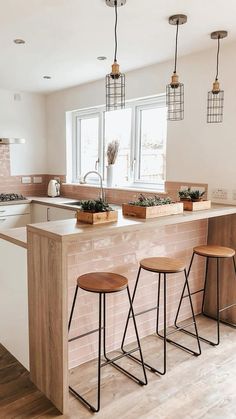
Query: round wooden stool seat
(214,251)
(163,265)
(102,282)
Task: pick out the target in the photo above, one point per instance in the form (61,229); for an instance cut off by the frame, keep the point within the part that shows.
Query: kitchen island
(58,252)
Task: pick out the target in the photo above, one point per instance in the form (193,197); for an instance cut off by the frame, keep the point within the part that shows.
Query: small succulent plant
(187,194)
(144,201)
(95,205)
(196,194)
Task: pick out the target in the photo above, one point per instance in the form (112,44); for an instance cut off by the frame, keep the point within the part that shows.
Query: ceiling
(64,37)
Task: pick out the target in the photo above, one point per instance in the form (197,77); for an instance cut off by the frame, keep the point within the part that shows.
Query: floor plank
(194,387)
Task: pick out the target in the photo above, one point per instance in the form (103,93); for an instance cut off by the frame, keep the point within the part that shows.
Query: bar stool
(215,252)
(104,283)
(163,266)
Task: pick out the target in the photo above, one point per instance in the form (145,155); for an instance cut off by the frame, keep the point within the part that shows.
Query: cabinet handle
(48,218)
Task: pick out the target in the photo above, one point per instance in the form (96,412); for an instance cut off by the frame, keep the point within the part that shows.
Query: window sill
(118,188)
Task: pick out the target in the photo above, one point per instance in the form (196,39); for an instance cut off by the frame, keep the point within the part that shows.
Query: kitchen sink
(75,203)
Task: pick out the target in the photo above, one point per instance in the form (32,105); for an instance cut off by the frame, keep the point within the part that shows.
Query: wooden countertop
(16,236)
(69,229)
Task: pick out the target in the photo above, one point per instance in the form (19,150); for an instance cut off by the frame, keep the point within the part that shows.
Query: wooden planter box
(152,212)
(196,206)
(97,217)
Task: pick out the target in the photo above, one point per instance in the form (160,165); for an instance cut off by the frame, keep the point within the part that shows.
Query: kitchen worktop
(68,229)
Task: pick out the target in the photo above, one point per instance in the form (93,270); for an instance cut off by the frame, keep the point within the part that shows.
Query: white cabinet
(14,301)
(42,213)
(13,216)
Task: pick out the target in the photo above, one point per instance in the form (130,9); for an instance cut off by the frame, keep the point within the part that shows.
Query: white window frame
(135,142)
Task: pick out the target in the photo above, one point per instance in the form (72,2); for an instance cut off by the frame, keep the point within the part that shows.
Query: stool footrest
(179,328)
(143,312)
(110,361)
(195,292)
(84,334)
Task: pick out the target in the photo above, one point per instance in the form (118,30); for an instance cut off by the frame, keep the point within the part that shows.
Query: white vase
(110,175)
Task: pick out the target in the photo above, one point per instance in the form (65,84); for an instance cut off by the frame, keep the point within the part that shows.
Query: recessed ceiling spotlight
(19,41)
(47,77)
(101,58)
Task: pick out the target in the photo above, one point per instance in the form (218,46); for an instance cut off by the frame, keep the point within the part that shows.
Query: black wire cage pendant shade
(115,81)
(215,98)
(175,90)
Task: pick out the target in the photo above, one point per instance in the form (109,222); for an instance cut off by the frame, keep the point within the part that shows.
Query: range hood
(12,141)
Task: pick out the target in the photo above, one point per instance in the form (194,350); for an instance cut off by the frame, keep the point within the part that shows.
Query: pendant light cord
(176,45)
(115,60)
(217,59)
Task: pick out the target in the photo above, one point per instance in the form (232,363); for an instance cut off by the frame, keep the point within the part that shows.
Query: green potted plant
(196,195)
(193,199)
(184,194)
(151,207)
(96,211)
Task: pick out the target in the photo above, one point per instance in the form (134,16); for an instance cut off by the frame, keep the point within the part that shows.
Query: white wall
(25,118)
(196,151)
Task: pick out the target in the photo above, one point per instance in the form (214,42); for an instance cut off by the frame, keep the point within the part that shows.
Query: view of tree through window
(152,145)
(118,127)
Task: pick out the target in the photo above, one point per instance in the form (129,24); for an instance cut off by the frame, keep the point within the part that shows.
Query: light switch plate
(26,179)
(37,179)
(221,194)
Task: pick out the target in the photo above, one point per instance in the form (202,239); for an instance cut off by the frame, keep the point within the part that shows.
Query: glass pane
(118,127)
(89,132)
(153,128)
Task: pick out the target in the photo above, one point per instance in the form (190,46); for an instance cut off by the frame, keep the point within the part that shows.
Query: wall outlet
(26,179)
(37,179)
(221,194)
(234,194)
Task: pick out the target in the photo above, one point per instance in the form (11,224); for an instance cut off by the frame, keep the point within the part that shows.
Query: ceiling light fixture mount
(175,90)
(115,81)
(215,99)
(101,58)
(19,41)
(111,3)
(47,77)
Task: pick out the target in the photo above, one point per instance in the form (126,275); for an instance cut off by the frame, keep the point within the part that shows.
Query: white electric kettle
(53,188)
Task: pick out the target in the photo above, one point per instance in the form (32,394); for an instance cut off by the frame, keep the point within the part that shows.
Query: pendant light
(115,81)
(175,90)
(215,99)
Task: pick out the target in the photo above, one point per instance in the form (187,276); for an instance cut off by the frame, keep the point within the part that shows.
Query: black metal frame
(164,337)
(218,309)
(102,326)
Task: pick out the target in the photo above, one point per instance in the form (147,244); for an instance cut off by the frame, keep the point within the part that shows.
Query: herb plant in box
(151,207)
(193,200)
(96,211)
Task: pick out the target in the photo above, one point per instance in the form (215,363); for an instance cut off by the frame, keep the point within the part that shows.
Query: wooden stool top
(214,251)
(102,282)
(163,265)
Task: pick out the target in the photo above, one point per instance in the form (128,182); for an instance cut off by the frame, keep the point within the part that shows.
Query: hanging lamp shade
(175,90)
(115,81)
(215,98)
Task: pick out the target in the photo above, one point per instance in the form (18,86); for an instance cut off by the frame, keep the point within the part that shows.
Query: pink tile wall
(120,253)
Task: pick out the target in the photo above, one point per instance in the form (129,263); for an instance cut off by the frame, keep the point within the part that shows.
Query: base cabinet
(43,213)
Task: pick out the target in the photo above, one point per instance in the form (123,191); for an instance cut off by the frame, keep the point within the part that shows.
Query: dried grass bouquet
(112,151)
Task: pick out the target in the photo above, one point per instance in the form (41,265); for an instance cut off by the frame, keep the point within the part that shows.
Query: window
(141,131)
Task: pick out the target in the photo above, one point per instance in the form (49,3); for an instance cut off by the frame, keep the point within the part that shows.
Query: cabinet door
(55,213)
(39,213)
(14,221)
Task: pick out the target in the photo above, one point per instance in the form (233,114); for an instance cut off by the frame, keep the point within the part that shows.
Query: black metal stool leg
(182,295)
(157,328)
(73,307)
(125,353)
(75,393)
(128,317)
(181,328)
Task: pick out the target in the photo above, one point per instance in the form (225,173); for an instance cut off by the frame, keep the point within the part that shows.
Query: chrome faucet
(102,193)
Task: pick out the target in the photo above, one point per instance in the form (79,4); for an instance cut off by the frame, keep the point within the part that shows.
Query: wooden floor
(202,387)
